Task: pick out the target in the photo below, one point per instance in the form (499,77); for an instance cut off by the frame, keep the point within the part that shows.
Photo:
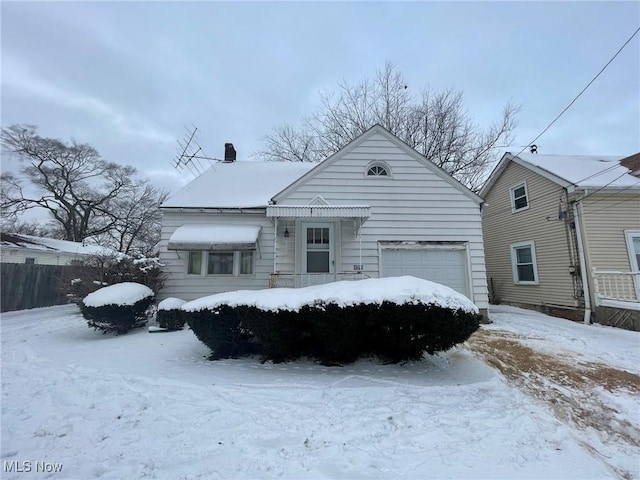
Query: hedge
(334,334)
(117,318)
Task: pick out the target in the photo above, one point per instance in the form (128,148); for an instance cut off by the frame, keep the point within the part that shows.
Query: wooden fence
(30,286)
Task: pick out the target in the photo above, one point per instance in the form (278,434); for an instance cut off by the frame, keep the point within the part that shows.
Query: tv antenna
(190,155)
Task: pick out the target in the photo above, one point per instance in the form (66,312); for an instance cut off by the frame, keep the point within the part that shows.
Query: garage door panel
(447,267)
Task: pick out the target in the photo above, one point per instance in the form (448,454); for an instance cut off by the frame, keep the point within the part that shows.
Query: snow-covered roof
(210,237)
(584,171)
(15,240)
(239,184)
(571,171)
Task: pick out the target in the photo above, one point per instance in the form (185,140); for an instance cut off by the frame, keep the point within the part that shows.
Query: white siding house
(18,248)
(376,208)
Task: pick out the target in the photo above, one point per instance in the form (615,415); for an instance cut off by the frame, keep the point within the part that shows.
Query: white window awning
(319,211)
(214,237)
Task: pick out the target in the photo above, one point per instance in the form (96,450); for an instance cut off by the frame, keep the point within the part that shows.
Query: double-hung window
(523,263)
(519,197)
(221,263)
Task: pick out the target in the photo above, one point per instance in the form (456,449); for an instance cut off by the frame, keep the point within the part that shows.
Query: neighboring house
(376,208)
(562,234)
(18,248)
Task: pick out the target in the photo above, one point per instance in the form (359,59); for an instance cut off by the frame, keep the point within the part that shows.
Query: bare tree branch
(85,195)
(435,124)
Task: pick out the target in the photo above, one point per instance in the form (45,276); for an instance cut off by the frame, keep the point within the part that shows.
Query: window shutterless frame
(524,264)
(378,169)
(221,263)
(519,197)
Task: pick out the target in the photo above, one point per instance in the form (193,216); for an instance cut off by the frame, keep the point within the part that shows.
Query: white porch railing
(617,286)
(297,280)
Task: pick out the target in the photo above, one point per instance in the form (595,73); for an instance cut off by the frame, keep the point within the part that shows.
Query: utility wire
(583,90)
(555,192)
(556,119)
(612,195)
(604,186)
(614,204)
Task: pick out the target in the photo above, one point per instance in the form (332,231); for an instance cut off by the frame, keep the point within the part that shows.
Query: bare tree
(136,219)
(85,195)
(36,229)
(435,124)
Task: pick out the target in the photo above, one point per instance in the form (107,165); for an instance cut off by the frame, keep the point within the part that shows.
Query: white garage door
(447,267)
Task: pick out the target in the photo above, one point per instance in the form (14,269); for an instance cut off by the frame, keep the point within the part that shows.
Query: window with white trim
(633,247)
(216,263)
(519,197)
(378,169)
(523,263)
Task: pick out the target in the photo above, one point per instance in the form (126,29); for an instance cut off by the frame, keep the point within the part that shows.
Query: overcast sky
(126,77)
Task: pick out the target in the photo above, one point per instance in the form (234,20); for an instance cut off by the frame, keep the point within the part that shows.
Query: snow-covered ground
(151,405)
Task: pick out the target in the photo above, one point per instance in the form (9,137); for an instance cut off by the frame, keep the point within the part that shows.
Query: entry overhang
(361,212)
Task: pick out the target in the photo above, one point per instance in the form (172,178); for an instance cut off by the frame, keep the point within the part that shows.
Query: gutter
(583,263)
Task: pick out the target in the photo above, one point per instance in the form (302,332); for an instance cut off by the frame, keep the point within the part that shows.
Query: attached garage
(445,265)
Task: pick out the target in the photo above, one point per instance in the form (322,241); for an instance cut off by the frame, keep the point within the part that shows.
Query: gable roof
(571,171)
(51,245)
(239,184)
(378,129)
(245,184)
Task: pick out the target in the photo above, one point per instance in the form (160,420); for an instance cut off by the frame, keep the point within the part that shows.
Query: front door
(317,252)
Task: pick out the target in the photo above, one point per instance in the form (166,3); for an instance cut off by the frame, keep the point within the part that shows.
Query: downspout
(583,265)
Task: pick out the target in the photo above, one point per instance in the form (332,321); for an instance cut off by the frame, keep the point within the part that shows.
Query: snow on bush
(118,307)
(398,290)
(169,314)
(394,319)
(170,303)
(126,293)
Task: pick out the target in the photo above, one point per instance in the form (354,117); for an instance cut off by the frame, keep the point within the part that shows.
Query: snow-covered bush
(169,314)
(118,308)
(108,269)
(221,331)
(394,319)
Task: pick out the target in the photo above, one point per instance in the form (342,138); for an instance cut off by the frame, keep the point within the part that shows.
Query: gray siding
(190,287)
(539,223)
(414,204)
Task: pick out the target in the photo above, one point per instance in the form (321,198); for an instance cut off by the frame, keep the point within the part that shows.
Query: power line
(614,204)
(583,90)
(612,195)
(604,186)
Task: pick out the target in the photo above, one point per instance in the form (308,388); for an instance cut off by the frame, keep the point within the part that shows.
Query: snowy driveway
(151,406)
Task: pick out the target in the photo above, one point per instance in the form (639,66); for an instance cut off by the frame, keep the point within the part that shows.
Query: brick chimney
(229,153)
